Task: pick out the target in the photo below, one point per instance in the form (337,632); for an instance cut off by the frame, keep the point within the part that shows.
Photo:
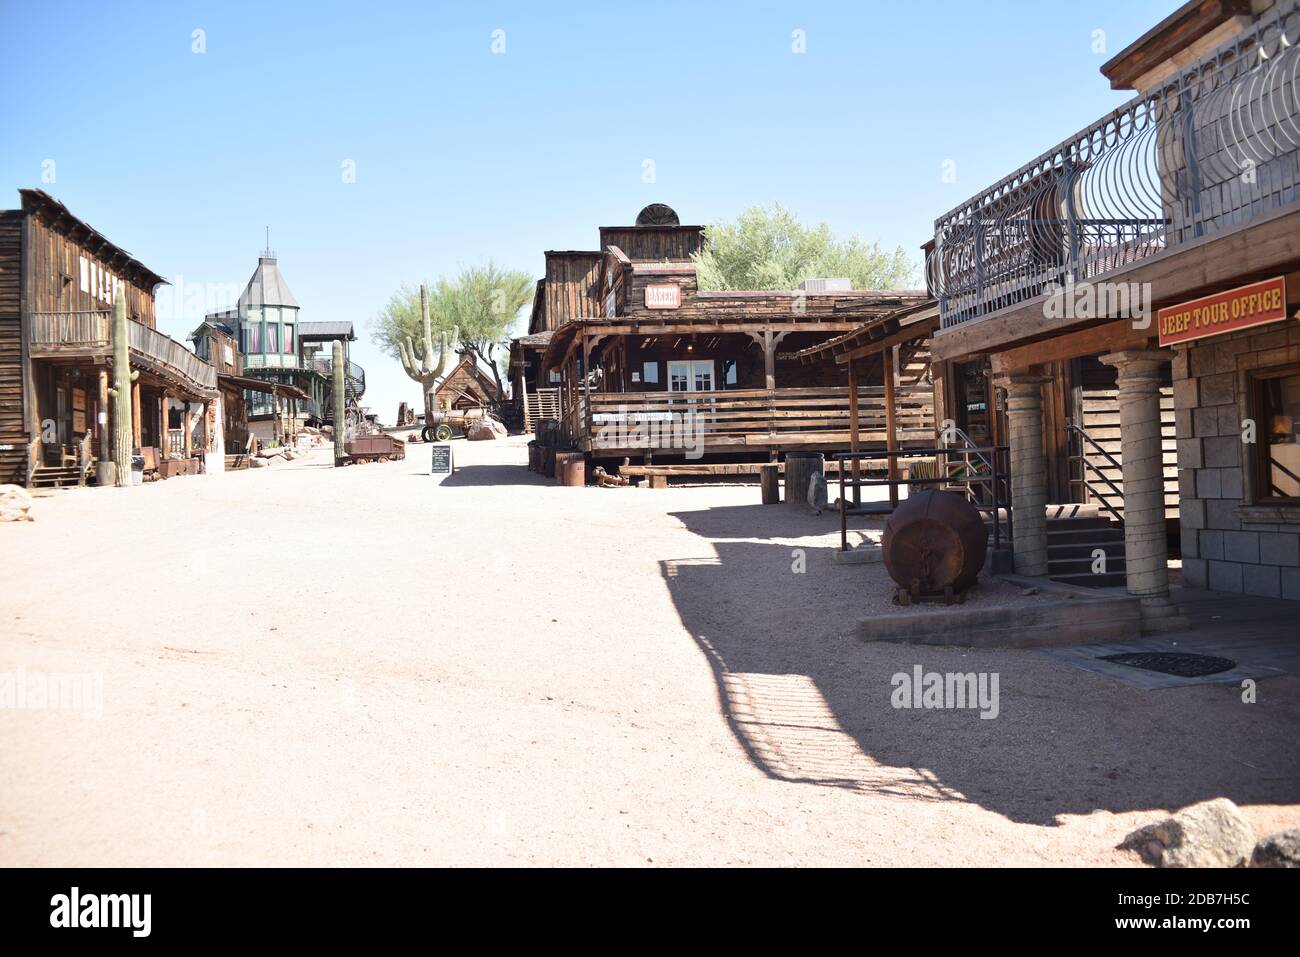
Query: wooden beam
(1111,337)
(855,437)
(888,368)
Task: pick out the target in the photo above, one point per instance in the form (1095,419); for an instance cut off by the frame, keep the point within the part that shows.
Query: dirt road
(307,665)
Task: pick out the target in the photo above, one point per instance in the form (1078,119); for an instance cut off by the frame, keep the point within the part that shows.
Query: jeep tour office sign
(1239,308)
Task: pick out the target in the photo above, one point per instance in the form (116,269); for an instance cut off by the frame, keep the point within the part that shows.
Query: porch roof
(262,385)
(902,325)
(748,311)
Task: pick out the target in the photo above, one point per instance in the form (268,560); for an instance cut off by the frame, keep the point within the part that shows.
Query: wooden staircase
(1074,536)
(56,476)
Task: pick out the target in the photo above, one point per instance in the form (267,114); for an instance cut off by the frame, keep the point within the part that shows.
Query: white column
(1028,473)
(1142,458)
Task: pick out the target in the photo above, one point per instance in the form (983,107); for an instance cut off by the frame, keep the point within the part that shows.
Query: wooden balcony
(736,420)
(90,335)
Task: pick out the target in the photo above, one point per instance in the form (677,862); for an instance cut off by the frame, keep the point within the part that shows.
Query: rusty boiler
(934,545)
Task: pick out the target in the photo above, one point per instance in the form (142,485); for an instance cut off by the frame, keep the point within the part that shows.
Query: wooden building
(652,368)
(1102,306)
(59,280)
(467,386)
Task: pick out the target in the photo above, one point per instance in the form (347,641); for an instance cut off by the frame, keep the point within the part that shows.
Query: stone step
(1082,566)
(1088,580)
(1112,548)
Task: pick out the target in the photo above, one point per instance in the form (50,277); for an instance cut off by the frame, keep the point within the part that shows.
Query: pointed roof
(267,287)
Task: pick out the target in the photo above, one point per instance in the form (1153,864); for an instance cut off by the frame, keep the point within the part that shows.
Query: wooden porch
(690,424)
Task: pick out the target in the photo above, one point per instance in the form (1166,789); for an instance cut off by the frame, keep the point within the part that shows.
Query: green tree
(771,249)
(483,302)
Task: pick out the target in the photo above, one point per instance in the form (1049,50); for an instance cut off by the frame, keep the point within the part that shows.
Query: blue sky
(462,154)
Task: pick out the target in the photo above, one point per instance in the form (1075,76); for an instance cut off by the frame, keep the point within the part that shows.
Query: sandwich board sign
(441,465)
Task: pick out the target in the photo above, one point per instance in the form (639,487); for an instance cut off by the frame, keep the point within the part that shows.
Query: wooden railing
(748,416)
(92,333)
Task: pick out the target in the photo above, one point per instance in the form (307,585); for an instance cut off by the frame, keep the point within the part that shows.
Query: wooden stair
(56,476)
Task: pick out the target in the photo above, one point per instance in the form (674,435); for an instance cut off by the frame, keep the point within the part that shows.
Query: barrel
(571,469)
(769,480)
(548,461)
(533,456)
(935,541)
(800,467)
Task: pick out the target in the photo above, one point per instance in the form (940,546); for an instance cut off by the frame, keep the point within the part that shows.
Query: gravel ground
(304,665)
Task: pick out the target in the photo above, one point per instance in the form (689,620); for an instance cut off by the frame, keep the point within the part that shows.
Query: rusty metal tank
(935,541)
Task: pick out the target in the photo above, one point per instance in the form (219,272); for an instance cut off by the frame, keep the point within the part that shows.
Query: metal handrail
(1211,147)
(1087,464)
(992,480)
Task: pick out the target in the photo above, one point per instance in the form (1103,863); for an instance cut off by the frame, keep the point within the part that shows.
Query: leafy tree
(771,249)
(483,302)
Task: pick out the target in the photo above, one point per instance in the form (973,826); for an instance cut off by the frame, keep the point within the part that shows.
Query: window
(272,337)
(252,338)
(650,372)
(555,375)
(1277,423)
(288,339)
(729,374)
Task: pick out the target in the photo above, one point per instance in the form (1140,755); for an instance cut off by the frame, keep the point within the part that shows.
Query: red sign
(1229,311)
(663,296)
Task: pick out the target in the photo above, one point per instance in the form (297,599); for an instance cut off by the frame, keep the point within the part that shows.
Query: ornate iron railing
(1216,145)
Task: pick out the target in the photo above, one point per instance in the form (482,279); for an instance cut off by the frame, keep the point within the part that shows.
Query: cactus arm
(409,366)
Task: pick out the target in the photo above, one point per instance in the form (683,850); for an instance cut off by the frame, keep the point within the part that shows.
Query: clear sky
(462,153)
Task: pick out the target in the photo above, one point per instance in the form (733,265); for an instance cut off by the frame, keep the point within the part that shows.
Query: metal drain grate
(1182,664)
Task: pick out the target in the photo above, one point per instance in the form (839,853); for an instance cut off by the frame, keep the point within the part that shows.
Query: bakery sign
(1229,311)
(663,296)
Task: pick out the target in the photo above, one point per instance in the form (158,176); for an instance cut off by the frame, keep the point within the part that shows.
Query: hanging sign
(1239,308)
(663,296)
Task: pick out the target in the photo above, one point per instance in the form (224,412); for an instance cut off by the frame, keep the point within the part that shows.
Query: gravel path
(303,665)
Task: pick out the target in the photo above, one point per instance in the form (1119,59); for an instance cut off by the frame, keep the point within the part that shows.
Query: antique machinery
(934,546)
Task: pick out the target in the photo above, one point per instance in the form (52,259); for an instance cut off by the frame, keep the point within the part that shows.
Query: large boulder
(1278,850)
(15,503)
(1210,834)
(486,428)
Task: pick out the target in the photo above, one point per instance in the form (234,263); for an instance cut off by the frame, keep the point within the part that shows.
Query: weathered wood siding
(654,243)
(69,270)
(572,289)
(13,435)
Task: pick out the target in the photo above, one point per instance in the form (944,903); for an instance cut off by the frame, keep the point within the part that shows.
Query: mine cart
(377,447)
(441,425)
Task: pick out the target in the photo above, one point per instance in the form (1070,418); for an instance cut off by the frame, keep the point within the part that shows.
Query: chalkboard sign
(441,460)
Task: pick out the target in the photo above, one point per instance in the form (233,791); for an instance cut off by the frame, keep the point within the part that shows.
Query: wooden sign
(663,296)
(441,463)
(78,410)
(1239,308)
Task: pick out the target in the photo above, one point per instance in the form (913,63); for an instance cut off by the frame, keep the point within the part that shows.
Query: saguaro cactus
(424,369)
(120,393)
(340,403)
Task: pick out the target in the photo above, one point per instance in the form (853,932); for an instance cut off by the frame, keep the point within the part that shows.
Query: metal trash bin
(137,470)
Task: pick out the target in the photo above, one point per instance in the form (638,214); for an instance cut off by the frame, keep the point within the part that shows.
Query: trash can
(137,470)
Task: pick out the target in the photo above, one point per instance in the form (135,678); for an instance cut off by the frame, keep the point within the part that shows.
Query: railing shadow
(810,701)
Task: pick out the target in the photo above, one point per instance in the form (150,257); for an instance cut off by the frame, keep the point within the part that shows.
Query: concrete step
(1076,536)
(1082,566)
(1111,547)
(1089,580)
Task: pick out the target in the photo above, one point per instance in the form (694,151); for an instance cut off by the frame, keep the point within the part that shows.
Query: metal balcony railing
(1214,146)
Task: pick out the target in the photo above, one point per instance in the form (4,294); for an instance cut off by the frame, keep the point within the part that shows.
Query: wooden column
(186,435)
(101,419)
(586,383)
(889,369)
(769,360)
(854,444)
(135,418)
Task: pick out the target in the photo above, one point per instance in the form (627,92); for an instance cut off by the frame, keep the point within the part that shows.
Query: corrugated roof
(326,330)
(267,287)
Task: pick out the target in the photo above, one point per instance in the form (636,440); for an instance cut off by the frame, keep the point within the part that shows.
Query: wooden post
(769,360)
(185,431)
(854,444)
(891,426)
(101,423)
(769,479)
(586,383)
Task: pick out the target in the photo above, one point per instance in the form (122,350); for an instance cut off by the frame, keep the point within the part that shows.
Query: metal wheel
(442,433)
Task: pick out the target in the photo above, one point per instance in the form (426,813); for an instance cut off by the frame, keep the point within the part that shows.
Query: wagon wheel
(426,434)
(442,433)
(383,458)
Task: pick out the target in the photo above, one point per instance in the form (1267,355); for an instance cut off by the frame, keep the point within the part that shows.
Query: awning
(902,325)
(261,385)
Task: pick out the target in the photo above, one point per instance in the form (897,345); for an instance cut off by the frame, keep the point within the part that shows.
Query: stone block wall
(1228,543)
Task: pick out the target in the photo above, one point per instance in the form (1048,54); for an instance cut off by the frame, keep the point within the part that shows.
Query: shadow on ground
(810,702)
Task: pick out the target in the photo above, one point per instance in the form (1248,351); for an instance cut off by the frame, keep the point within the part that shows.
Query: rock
(1278,850)
(817,492)
(15,503)
(486,428)
(1210,834)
